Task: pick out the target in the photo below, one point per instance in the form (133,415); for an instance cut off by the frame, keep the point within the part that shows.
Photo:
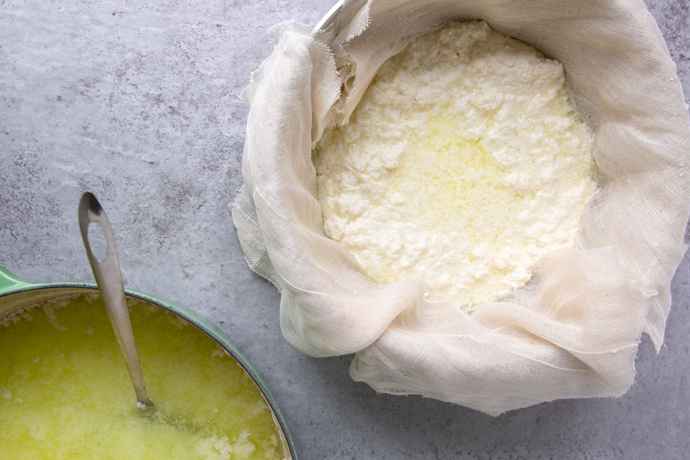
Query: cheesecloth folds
(573,330)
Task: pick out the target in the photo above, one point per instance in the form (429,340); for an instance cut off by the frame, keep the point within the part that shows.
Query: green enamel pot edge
(12,285)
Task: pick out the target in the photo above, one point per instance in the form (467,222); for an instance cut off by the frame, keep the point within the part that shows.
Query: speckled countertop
(139,104)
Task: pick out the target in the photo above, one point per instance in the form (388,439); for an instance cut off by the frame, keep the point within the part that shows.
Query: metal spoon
(109,280)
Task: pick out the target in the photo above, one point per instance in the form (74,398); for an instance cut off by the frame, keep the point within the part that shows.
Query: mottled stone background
(138,102)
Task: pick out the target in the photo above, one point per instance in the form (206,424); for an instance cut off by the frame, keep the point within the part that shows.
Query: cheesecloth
(573,330)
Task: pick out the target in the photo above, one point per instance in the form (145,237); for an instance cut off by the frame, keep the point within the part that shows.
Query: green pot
(17,294)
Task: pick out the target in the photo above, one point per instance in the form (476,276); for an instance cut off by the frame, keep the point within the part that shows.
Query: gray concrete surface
(138,102)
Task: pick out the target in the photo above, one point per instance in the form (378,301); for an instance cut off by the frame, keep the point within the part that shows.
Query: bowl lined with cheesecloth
(573,330)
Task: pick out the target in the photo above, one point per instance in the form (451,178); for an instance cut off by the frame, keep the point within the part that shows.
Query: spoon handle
(109,280)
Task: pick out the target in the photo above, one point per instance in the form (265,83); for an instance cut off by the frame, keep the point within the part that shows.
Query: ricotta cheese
(463,164)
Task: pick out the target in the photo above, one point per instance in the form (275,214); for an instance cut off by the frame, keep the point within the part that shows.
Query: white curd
(463,164)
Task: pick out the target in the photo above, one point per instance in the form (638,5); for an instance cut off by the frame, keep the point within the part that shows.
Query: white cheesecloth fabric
(573,331)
